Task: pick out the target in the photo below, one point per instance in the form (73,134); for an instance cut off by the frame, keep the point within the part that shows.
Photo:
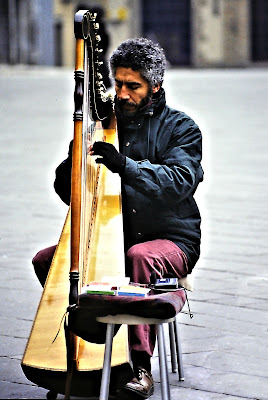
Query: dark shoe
(142,384)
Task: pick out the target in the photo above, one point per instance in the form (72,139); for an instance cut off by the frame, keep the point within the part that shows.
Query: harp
(91,242)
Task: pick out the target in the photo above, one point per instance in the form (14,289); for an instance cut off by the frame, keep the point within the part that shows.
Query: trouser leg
(163,257)
(42,261)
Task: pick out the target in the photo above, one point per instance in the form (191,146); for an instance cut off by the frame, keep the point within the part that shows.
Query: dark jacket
(163,149)
(163,152)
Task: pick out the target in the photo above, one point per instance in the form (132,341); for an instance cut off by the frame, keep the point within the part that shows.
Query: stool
(175,346)
(154,309)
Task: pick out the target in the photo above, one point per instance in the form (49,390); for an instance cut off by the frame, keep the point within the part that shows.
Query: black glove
(111,158)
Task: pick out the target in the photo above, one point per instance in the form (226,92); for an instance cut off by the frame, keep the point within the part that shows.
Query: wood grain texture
(106,258)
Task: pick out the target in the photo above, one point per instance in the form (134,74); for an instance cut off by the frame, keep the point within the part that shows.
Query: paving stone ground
(225,344)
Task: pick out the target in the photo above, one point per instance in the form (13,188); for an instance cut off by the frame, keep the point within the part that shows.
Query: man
(159,163)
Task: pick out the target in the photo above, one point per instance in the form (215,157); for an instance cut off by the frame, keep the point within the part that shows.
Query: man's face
(132,91)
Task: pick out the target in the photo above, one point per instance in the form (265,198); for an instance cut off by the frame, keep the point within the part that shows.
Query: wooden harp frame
(91,243)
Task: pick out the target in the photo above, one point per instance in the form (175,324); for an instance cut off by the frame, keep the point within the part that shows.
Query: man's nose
(124,93)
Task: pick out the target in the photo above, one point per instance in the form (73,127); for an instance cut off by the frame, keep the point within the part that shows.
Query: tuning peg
(99,90)
(98,38)
(92,16)
(96,26)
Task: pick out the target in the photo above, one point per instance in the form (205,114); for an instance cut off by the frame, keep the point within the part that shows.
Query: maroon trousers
(161,256)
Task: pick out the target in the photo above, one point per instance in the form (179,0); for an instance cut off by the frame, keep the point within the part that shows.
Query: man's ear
(156,88)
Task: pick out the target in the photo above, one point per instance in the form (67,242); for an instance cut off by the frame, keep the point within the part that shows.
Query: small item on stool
(166,283)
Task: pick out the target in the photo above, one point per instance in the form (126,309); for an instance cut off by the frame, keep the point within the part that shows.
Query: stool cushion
(82,319)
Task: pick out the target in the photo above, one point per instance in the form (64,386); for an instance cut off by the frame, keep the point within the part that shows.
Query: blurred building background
(196,33)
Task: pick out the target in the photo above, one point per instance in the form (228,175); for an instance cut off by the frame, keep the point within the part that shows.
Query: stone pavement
(225,344)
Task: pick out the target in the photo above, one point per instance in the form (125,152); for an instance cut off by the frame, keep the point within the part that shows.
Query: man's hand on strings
(110,157)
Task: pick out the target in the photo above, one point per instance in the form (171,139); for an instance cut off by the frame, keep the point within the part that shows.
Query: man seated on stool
(159,157)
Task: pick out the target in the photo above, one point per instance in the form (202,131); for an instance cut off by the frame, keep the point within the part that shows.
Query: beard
(128,109)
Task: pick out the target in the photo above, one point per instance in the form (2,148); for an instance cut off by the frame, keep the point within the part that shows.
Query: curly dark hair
(141,55)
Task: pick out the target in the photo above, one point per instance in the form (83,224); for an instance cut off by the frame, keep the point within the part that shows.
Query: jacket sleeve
(177,172)
(62,183)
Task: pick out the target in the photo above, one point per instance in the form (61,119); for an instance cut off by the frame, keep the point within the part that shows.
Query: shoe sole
(136,394)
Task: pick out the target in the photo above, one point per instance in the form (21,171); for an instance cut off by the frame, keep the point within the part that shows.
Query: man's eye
(133,87)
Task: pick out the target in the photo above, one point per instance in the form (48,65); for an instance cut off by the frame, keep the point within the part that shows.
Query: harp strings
(89,179)
(90,170)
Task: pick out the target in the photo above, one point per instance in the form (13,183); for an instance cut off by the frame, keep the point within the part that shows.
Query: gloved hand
(111,158)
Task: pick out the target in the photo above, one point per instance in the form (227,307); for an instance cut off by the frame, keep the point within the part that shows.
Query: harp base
(84,383)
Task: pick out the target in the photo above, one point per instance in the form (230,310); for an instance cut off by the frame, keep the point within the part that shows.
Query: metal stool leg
(106,371)
(179,351)
(172,347)
(165,389)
